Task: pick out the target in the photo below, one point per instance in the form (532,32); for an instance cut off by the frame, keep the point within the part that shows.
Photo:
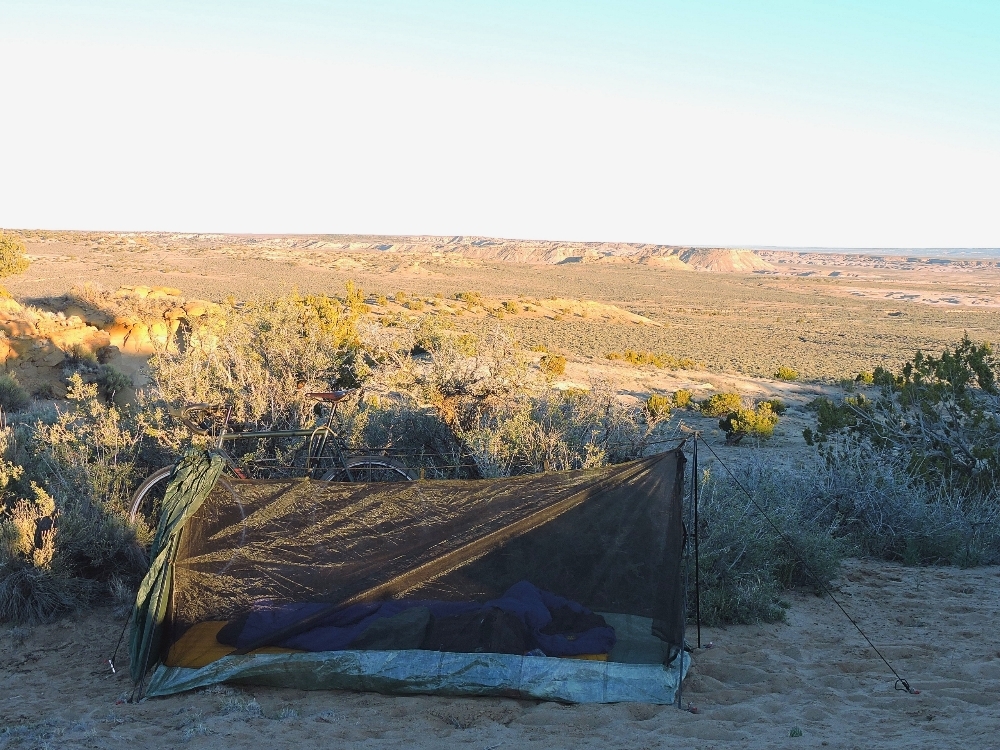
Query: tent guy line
(901,683)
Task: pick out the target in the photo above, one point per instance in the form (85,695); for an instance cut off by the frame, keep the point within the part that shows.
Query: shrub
(64,484)
(683,399)
(745,564)
(262,358)
(786,373)
(113,382)
(658,407)
(887,510)
(13,397)
(355,298)
(758,422)
(721,404)
(12,260)
(470,298)
(551,430)
(941,413)
(777,405)
(865,378)
(553,365)
(415,304)
(512,307)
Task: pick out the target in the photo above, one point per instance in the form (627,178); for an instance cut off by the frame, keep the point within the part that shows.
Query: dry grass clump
(552,431)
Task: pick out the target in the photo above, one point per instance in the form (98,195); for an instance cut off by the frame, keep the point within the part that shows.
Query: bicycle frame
(318,436)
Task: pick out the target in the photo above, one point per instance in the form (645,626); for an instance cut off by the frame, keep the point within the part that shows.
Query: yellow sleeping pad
(198,647)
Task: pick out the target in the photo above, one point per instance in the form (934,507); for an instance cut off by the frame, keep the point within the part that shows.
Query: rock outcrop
(37,345)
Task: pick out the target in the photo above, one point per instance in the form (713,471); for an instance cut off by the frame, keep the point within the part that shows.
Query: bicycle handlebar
(187,413)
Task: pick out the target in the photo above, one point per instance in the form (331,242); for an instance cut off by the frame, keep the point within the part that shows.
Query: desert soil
(751,689)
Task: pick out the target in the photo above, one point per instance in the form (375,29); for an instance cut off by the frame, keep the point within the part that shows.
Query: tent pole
(697,569)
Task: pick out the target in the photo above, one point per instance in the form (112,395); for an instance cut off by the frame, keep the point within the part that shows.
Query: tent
(562,586)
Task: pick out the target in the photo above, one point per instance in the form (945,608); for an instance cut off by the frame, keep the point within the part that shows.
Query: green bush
(786,373)
(777,405)
(658,406)
(758,423)
(721,404)
(941,413)
(683,399)
(12,260)
(865,378)
(13,397)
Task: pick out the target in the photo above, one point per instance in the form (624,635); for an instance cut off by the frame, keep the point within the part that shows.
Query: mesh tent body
(609,540)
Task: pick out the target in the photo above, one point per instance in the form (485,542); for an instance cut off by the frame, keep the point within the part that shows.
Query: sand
(752,688)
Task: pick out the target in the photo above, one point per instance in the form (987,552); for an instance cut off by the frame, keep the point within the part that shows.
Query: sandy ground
(752,688)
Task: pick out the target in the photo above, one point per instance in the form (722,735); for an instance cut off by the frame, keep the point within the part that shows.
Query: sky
(798,123)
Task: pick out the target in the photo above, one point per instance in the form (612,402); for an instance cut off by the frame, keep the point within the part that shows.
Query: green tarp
(190,484)
(430,672)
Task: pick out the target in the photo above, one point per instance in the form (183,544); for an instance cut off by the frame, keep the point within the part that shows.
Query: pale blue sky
(778,123)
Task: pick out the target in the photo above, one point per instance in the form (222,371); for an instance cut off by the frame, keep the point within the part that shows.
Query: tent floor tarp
(436,672)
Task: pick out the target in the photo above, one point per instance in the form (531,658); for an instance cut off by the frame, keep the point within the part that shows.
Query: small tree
(12,260)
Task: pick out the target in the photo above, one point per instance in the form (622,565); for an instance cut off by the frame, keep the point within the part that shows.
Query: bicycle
(327,456)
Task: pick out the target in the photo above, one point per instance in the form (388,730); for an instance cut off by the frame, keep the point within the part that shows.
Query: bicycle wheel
(148,499)
(370,469)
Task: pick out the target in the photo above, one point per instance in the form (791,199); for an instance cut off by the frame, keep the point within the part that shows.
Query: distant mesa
(722,260)
(666,261)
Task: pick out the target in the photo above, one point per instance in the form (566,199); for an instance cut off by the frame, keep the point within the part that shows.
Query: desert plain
(734,317)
